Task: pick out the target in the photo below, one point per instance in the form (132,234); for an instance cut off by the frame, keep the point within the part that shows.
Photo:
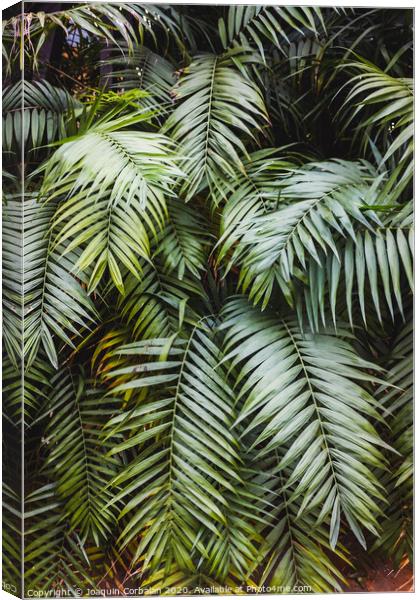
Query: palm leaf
(111,22)
(325,232)
(304,392)
(55,301)
(26,404)
(316,202)
(54,557)
(145,70)
(157,305)
(384,106)
(11,538)
(34,115)
(175,486)
(109,213)
(12,231)
(255,191)
(255,25)
(183,244)
(77,454)
(396,397)
(296,549)
(219,106)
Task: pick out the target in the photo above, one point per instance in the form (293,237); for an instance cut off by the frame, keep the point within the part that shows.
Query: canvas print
(207,299)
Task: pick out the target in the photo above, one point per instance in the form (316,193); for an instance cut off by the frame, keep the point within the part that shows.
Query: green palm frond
(156,305)
(255,25)
(219,107)
(255,191)
(175,486)
(380,262)
(34,115)
(396,397)
(54,557)
(232,550)
(326,229)
(110,213)
(145,70)
(11,537)
(119,24)
(305,393)
(384,107)
(296,548)
(78,454)
(26,403)
(315,202)
(208,255)
(183,244)
(56,303)
(12,231)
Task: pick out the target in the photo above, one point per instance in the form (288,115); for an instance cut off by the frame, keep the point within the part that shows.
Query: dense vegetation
(215,229)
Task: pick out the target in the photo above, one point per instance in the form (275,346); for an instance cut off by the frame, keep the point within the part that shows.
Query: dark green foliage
(216,240)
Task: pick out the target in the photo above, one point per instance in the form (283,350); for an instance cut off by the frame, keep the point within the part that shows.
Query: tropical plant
(207,263)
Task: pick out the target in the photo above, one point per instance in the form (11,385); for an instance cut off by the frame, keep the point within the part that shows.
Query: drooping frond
(109,213)
(119,24)
(11,536)
(325,231)
(383,106)
(172,157)
(253,192)
(378,260)
(396,397)
(175,486)
(54,557)
(56,304)
(255,25)
(77,454)
(377,263)
(317,201)
(12,230)
(34,115)
(26,402)
(219,108)
(231,550)
(303,396)
(296,549)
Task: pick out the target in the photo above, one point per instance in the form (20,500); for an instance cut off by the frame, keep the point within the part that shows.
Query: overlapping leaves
(56,306)
(326,231)
(384,106)
(218,106)
(175,488)
(302,395)
(34,115)
(255,25)
(163,449)
(110,213)
(77,454)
